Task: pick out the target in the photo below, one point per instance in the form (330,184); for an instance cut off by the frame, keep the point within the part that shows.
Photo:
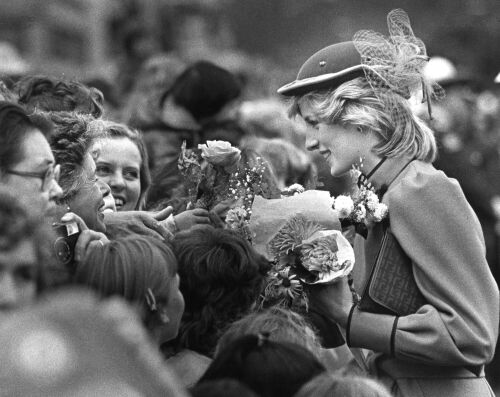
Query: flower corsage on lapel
(361,207)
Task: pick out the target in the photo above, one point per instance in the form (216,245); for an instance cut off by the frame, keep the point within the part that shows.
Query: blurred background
(105,38)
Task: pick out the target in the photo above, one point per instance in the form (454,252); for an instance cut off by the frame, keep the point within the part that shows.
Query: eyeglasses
(51,174)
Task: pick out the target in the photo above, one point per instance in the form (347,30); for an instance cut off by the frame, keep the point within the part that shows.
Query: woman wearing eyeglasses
(26,161)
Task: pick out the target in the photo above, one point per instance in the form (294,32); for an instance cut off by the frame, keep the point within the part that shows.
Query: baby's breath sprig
(245,183)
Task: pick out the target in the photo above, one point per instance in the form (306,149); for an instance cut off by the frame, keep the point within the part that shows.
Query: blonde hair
(389,115)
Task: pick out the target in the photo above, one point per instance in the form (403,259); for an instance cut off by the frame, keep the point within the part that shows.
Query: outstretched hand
(218,212)
(139,222)
(189,218)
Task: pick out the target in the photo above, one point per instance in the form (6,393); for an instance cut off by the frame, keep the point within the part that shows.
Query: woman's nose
(116,181)
(312,142)
(55,190)
(104,188)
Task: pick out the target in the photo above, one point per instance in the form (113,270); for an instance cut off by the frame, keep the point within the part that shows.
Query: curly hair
(70,144)
(54,95)
(221,279)
(104,129)
(356,103)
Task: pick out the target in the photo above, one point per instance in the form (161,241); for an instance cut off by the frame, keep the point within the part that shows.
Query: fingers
(88,239)
(202,220)
(163,214)
(164,232)
(216,220)
(72,217)
(156,226)
(199,212)
(224,206)
(187,219)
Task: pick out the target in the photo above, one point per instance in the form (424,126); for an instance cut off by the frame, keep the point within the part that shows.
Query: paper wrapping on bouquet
(269,216)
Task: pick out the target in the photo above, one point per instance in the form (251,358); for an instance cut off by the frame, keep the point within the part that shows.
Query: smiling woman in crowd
(122,163)
(83,192)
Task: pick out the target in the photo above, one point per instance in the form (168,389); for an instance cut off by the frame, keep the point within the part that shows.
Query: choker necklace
(363,179)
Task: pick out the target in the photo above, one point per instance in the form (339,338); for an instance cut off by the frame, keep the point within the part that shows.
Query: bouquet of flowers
(361,207)
(302,241)
(314,254)
(223,177)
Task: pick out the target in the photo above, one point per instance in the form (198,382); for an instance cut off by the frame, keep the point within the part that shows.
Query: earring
(151,300)
(163,317)
(361,162)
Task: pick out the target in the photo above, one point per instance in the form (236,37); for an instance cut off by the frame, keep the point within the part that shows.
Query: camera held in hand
(64,246)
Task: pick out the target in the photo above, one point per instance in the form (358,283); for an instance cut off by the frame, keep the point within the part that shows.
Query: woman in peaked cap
(432,335)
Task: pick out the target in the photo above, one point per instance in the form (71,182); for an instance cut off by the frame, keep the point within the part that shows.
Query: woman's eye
(131,174)
(312,123)
(102,170)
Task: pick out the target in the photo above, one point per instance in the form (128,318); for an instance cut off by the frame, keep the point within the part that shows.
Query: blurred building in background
(60,36)
(98,37)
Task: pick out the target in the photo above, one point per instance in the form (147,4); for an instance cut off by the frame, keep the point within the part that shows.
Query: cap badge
(322,63)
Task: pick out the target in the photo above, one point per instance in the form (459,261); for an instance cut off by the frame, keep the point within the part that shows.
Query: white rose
(344,206)
(220,153)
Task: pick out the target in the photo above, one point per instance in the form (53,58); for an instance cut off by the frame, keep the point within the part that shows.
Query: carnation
(380,212)
(319,254)
(371,200)
(344,206)
(359,213)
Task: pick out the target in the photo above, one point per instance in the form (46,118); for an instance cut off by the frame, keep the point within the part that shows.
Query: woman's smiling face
(118,164)
(341,146)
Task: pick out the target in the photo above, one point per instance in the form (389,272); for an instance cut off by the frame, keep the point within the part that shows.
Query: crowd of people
(117,278)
